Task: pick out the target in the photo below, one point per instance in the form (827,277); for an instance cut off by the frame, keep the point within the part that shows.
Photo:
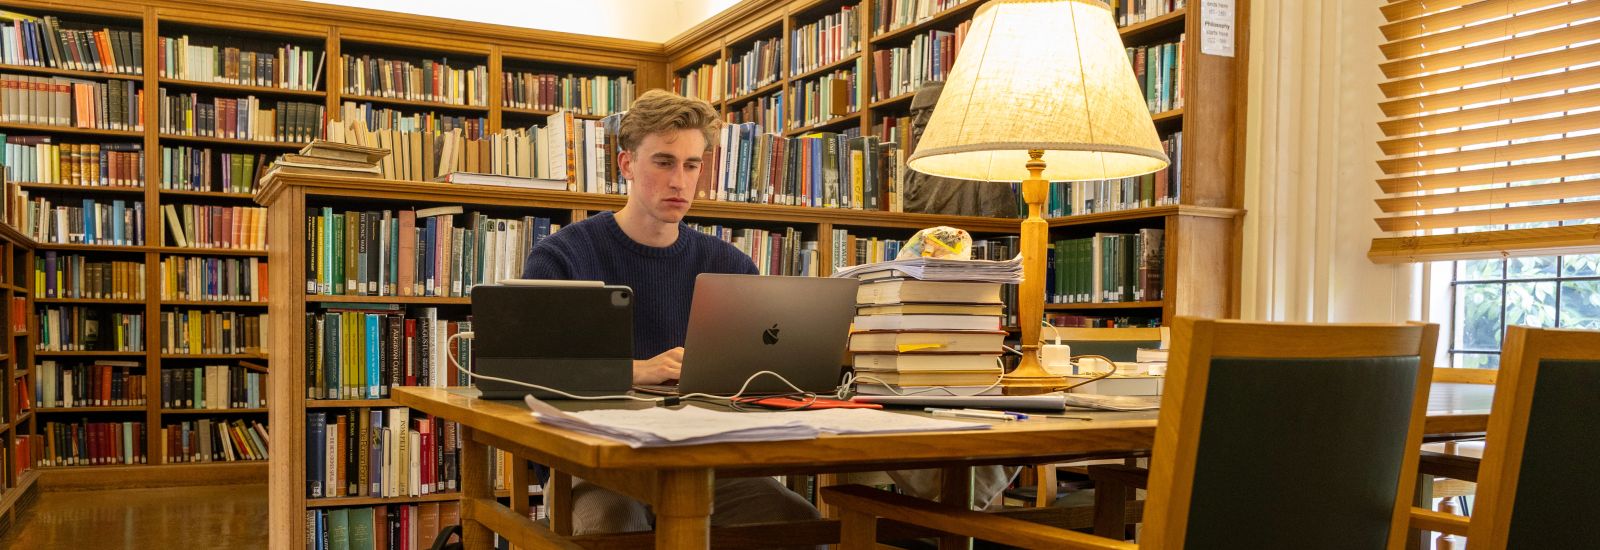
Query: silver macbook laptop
(742,324)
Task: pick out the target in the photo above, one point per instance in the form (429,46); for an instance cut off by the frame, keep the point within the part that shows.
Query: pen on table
(971,413)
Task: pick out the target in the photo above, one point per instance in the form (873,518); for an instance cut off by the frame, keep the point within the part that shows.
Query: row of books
(1128,12)
(1159,69)
(213,440)
(185,168)
(196,332)
(758,66)
(247,118)
(211,226)
(1064,320)
(359,351)
(87,443)
(429,80)
(1108,267)
(380,453)
(820,169)
(827,97)
(76,276)
(849,249)
(827,40)
(22,454)
(45,42)
(78,328)
(888,15)
(289,67)
(39,159)
(70,102)
(389,527)
(376,119)
(928,58)
(415,252)
(704,81)
(893,128)
(202,279)
(103,383)
(774,252)
(212,387)
(589,95)
(765,111)
(114,223)
(1088,197)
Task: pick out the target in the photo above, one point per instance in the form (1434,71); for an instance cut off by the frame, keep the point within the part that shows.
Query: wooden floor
(215,518)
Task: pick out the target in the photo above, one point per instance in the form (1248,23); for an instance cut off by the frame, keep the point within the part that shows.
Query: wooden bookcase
(290,198)
(318,27)
(1202,231)
(16,282)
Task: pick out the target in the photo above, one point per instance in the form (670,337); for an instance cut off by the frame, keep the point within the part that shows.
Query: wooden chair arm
(932,515)
(1464,468)
(1438,522)
(1128,476)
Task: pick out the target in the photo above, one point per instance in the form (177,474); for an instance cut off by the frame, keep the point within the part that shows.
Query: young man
(645,245)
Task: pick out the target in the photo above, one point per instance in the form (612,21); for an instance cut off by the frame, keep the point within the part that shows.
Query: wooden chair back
(1541,461)
(1257,416)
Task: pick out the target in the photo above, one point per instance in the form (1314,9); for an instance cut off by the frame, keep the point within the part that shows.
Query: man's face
(662,173)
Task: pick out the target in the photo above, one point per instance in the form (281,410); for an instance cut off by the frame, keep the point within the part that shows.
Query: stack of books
(330,158)
(926,335)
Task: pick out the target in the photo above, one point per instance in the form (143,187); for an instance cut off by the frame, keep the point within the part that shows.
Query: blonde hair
(659,111)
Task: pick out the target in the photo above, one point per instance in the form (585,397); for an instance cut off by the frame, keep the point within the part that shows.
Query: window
(1540,291)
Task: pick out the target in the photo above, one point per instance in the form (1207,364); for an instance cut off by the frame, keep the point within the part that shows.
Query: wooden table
(677,481)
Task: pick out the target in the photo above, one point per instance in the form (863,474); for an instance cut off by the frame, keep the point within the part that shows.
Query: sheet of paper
(1216,27)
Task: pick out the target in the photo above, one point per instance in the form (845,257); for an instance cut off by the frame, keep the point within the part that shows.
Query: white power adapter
(1056,359)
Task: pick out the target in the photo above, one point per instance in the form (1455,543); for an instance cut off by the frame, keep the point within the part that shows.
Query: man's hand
(660,368)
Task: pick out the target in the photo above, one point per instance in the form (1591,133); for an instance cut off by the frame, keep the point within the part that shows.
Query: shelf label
(1216,27)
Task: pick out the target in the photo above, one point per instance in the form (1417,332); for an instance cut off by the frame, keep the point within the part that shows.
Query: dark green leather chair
(1255,417)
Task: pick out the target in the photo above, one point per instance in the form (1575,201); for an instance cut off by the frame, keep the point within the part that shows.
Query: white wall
(1310,165)
(647,20)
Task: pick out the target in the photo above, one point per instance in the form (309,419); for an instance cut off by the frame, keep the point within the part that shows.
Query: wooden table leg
(558,502)
(521,472)
(683,508)
(956,490)
(474,485)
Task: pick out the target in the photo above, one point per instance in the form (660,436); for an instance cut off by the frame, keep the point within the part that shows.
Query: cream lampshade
(1041,91)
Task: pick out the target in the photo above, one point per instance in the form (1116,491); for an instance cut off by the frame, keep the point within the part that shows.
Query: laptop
(573,336)
(742,324)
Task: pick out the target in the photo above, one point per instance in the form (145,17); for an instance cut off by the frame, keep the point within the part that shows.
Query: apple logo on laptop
(770,336)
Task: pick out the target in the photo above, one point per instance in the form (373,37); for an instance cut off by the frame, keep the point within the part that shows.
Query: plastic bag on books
(945,243)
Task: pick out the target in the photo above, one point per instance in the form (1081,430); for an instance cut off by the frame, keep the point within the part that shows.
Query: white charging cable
(451,358)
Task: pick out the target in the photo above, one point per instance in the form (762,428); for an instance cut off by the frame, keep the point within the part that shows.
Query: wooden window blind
(1491,135)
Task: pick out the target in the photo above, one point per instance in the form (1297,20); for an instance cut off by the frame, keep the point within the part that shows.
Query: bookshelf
(1200,260)
(323,32)
(290,199)
(16,282)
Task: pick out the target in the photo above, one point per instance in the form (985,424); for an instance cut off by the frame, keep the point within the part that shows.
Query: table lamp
(1041,91)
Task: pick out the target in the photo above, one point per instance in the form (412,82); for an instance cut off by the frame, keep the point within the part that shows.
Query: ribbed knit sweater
(662,278)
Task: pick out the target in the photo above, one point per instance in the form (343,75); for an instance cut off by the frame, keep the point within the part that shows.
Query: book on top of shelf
(474,178)
(304,161)
(331,149)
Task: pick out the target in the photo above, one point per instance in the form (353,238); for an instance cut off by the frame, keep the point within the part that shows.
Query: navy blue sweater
(662,279)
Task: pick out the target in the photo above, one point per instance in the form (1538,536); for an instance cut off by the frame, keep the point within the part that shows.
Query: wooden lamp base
(1030,378)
